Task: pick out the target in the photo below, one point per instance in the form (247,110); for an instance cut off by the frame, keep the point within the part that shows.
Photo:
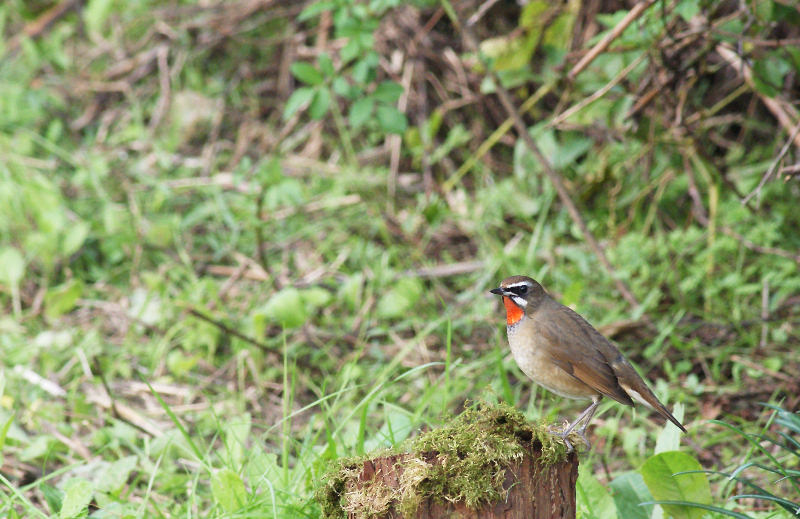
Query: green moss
(463,461)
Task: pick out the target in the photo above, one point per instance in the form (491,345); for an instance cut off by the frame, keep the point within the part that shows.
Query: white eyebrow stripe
(519,284)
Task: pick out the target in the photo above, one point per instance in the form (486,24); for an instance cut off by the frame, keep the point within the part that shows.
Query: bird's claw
(582,435)
(560,433)
(564,433)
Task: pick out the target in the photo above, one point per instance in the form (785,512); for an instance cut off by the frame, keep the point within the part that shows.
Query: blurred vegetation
(242,240)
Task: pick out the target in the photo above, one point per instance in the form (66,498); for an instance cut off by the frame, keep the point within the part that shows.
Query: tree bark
(535,490)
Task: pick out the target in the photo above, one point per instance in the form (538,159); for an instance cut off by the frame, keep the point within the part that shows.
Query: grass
(206,305)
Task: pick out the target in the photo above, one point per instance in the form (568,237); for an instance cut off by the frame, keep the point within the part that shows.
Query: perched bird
(563,353)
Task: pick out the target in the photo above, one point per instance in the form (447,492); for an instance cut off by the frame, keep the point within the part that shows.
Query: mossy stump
(531,491)
(488,463)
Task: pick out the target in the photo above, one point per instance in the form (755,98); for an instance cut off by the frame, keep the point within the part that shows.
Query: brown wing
(599,365)
(582,351)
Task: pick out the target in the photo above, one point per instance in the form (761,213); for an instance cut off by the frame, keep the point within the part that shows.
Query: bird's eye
(520,290)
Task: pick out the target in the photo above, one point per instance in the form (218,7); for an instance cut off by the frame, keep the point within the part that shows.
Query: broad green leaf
(299,97)
(315,9)
(592,499)
(399,299)
(669,439)
(768,74)
(53,496)
(228,490)
(180,362)
(95,14)
(161,231)
(236,431)
(363,72)
(658,472)
(320,104)
(361,111)
(286,308)
(77,495)
(306,73)
(342,88)
(61,299)
(628,491)
(388,92)
(350,290)
(390,119)
(261,468)
(687,9)
(349,52)
(325,64)
(315,297)
(115,475)
(74,237)
(12,266)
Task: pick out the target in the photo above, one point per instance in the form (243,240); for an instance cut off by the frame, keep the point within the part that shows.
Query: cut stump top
(488,463)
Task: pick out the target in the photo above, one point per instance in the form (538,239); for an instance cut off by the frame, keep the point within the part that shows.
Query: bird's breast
(530,350)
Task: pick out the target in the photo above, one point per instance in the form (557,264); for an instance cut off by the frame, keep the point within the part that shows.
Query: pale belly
(534,363)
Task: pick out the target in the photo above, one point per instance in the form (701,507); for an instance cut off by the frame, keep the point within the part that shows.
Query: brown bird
(563,353)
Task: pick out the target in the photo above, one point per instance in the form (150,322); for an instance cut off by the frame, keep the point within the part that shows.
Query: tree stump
(489,463)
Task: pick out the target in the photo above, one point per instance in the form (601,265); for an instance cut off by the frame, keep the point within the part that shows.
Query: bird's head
(520,294)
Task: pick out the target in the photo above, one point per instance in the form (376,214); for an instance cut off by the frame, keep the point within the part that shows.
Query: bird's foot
(564,433)
(557,431)
(582,435)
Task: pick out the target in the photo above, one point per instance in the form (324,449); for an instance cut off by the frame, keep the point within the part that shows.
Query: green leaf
(349,52)
(12,266)
(315,9)
(391,120)
(75,236)
(180,362)
(688,9)
(262,467)
(116,474)
(629,491)
(299,97)
(320,104)
(95,14)
(286,308)
(658,472)
(53,496)
(593,500)
(697,506)
(228,490)
(398,300)
(77,495)
(306,72)
(236,431)
(342,88)
(315,297)
(325,64)
(61,299)
(350,291)
(363,71)
(768,74)
(669,439)
(360,111)
(388,92)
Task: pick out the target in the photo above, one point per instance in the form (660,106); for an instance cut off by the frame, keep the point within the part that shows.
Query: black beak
(498,291)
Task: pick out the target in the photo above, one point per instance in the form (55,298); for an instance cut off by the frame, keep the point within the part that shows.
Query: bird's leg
(591,410)
(584,417)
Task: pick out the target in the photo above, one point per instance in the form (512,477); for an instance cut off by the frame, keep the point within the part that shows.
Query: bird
(560,351)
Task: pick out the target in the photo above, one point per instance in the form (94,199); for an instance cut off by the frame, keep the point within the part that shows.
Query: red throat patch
(513,312)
